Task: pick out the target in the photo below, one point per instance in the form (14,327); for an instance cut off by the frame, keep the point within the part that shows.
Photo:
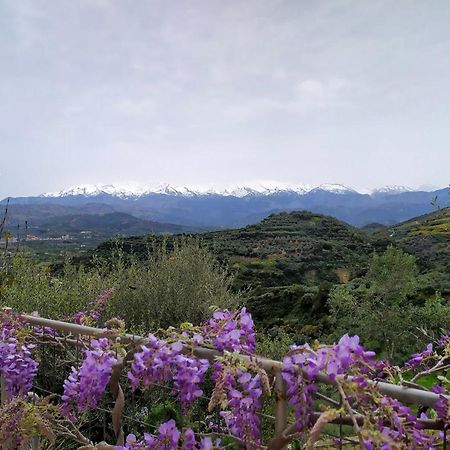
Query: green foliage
(392,276)
(174,286)
(382,308)
(280,260)
(32,287)
(427,237)
(177,285)
(273,345)
(306,274)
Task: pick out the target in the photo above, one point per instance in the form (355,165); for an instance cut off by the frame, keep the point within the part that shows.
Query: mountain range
(239,206)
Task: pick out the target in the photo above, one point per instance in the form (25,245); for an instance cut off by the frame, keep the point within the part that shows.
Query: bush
(382,307)
(172,287)
(180,285)
(32,287)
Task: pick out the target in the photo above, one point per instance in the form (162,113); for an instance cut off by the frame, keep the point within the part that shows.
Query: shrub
(180,285)
(172,287)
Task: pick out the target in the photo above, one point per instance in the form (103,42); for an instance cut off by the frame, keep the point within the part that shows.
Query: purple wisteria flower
(95,309)
(188,373)
(231,331)
(84,387)
(442,406)
(170,438)
(243,392)
(17,365)
(302,366)
(418,359)
(160,362)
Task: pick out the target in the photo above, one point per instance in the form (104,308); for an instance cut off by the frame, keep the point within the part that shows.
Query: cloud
(320,94)
(223,91)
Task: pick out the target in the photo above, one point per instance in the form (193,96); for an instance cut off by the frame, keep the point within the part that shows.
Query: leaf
(443,379)
(427,381)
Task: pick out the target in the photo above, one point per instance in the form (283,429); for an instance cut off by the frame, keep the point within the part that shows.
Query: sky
(216,93)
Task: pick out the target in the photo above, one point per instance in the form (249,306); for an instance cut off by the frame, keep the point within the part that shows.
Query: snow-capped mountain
(240,205)
(136,191)
(93,190)
(334,188)
(391,190)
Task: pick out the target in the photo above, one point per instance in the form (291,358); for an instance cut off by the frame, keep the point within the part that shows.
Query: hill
(54,230)
(288,261)
(373,228)
(105,224)
(427,237)
(300,246)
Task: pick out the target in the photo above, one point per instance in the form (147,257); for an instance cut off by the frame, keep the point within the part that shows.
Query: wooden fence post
(280,404)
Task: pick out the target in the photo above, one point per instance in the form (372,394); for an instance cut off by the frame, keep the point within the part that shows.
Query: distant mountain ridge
(136,191)
(56,220)
(243,205)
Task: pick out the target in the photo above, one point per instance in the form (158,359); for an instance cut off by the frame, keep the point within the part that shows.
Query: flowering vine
(159,361)
(170,438)
(239,385)
(95,309)
(17,366)
(84,387)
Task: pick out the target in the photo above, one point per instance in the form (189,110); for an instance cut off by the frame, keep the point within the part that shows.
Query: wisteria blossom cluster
(239,394)
(387,422)
(170,438)
(19,413)
(303,364)
(420,359)
(17,366)
(391,424)
(433,360)
(159,362)
(231,331)
(95,309)
(84,387)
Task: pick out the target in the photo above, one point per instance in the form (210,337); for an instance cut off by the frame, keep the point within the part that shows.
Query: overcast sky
(223,92)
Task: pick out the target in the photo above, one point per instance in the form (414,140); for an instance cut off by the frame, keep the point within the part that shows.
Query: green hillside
(50,237)
(298,247)
(426,237)
(287,263)
(105,224)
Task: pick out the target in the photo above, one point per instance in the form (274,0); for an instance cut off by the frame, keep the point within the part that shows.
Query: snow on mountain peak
(131,190)
(386,190)
(92,190)
(334,188)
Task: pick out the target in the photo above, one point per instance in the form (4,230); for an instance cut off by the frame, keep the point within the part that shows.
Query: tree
(379,306)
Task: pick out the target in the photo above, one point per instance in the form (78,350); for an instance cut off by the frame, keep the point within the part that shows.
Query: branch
(351,414)
(438,367)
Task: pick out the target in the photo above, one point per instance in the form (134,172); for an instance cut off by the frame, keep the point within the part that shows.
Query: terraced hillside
(427,237)
(291,248)
(288,262)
